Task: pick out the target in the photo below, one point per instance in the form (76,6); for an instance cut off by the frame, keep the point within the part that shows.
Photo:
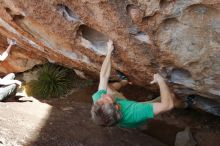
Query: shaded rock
(94,40)
(67,13)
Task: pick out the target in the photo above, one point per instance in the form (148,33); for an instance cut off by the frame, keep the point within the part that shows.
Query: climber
(112,108)
(8,84)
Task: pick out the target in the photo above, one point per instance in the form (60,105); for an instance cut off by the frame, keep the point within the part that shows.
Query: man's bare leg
(118,85)
(10,76)
(114,87)
(7,91)
(179,103)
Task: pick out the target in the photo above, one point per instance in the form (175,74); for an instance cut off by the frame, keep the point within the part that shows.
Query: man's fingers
(110,42)
(13,42)
(152,82)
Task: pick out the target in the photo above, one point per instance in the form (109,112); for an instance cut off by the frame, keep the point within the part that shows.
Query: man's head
(105,112)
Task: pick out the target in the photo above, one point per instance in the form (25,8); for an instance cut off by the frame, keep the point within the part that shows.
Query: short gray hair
(106,114)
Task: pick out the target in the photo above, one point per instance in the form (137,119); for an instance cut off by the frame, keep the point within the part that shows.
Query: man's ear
(117,107)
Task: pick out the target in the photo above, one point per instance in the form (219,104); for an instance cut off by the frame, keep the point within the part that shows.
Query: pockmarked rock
(182,37)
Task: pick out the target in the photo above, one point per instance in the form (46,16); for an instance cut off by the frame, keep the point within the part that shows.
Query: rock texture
(178,37)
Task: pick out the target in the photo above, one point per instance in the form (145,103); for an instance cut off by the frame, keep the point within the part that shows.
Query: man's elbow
(168,107)
(161,108)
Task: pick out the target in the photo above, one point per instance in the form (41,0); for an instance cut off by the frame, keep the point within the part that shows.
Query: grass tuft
(53,81)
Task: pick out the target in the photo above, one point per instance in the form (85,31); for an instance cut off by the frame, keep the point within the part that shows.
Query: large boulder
(177,37)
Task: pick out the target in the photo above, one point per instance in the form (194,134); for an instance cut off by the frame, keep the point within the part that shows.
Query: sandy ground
(66,122)
(61,122)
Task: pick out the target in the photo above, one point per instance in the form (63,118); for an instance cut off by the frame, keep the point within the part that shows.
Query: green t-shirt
(134,114)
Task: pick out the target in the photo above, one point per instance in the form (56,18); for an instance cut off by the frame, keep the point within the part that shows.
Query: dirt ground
(66,122)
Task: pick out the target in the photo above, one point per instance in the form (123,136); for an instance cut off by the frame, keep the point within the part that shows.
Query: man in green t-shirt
(112,108)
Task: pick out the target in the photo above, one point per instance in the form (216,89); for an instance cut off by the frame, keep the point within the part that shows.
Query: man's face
(105,99)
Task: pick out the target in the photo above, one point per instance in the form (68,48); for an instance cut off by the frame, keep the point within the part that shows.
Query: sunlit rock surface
(179,37)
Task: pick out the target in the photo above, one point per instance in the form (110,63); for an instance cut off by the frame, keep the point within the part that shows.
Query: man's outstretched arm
(5,54)
(106,68)
(166,103)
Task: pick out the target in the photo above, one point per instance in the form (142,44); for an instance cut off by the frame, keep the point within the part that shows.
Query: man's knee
(115,86)
(12,87)
(10,76)
(7,91)
(124,82)
(110,89)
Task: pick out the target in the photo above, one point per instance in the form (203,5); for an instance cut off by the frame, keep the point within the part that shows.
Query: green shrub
(53,81)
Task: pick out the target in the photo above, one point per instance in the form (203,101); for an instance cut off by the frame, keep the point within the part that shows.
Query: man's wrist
(109,52)
(160,81)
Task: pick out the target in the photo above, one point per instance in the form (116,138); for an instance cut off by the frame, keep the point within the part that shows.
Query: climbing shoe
(121,75)
(190,100)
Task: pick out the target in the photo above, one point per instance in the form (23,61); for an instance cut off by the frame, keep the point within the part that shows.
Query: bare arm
(106,68)
(166,103)
(5,54)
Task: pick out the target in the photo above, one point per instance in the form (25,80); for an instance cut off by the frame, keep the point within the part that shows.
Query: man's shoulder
(98,94)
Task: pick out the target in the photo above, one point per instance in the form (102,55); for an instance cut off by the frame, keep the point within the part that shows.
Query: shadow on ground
(66,122)
(69,124)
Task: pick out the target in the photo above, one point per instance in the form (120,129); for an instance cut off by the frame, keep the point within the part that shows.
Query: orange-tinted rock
(135,13)
(180,36)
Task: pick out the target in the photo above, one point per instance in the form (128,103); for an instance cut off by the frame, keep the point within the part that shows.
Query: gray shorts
(7,91)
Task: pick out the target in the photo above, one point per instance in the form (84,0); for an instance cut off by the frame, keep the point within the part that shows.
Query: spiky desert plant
(53,81)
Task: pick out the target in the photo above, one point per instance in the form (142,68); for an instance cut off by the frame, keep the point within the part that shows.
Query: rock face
(178,37)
